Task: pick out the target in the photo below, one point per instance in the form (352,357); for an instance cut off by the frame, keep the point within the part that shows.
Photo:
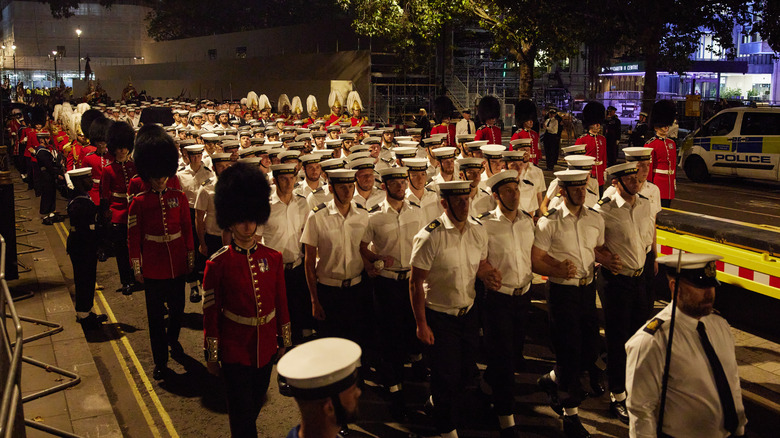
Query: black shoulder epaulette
(485,214)
(388,161)
(319,189)
(433,225)
(360,206)
(589,191)
(476,220)
(529,214)
(430,189)
(318,207)
(219,252)
(604,200)
(592,209)
(483,126)
(486,192)
(207,168)
(550,211)
(374,208)
(643,196)
(414,204)
(526,181)
(300,196)
(205,182)
(654,325)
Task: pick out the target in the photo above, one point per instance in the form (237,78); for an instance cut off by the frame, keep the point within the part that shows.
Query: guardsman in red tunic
(488,111)
(527,116)
(245,301)
(595,143)
(663,164)
(114,199)
(160,242)
(99,159)
(29,139)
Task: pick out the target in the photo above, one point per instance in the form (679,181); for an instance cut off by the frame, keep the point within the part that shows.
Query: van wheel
(696,169)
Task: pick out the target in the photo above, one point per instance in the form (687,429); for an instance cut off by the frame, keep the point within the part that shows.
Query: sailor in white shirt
(445,156)
(505,311)
(471,170)
(494,163)
(425,196)
(627,221)
(567,243)
(553,198)
(366,193)
(703,395)
(312,175)
(209,233)
(532,192)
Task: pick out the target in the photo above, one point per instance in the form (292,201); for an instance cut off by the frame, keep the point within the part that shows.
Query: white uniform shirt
(337,239)
(305,190)
(391,232)
(463,126)
(648,190)
(192,181)
(692,403)
(429,204)
(556,199)
(320,196)
(374,199)
(452,259)
(565,236)
(483,201)
(509,247)
(626,229)
(283,230)
(205,202)
(529,201)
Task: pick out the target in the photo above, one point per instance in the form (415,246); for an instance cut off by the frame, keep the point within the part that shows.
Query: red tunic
(534,136)
(113,187)
(30,140)
(13,128)
(445,128)
(358,122)
(490,133)
(308,121)
(334,119)
(137,185)
(97,163)
(663,165)
(595,146)
(248,284)
(159,234)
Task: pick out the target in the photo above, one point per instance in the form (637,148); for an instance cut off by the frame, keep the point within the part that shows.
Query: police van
(743,142)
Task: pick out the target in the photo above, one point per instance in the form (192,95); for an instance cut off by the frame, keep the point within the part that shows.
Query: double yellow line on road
(123,363)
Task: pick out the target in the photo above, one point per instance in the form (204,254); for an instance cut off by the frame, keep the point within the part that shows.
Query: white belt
(163,239)
(250,321)
(514,291)
(120,195)
(332,282)
(96,181)
(664,171)
(394,275)
(293,265)
(598,163)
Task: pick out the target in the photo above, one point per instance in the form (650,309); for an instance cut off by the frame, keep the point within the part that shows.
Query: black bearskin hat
(87,118)
(664,113)
(120,136)
(98,130)
(442,108)
(593,113)
(242,194)
(37,115)
(526,110)
(155,153)
(488,108)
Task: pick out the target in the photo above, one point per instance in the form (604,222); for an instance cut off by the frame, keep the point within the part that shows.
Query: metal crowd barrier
(10,360)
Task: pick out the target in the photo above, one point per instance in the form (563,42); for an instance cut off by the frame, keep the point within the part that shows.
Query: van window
(720,125)
(760,124)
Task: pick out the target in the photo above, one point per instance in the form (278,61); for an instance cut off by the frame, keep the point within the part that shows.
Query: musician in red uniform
(159,236)
(488,111)
(311,108)
(442,112)
(335,100)
(98,159)
(114,200)
(663,163)
(13,128)
(595,144)
(356,106)
(526,117)
(245,301)
(30,141)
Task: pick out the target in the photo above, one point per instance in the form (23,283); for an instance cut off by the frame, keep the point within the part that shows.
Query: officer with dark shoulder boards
(703,396)
(447,257)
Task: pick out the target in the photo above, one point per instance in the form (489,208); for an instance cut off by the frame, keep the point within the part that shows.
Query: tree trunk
(525,57)
(650,88)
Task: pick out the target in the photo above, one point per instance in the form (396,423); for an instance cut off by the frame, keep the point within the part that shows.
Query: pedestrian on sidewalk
(160,242)
(82,247)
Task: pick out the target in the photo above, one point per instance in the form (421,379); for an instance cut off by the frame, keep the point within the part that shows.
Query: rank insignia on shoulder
(300,196)
(205,182)
(642,196)
(654,325)
(318,207)
(374,208)
(360,206)
(550,211)
(528,182)
(529,214)
(319,189)
(481,215)
(219,252)
(433,225)
(604,200)
(414,204)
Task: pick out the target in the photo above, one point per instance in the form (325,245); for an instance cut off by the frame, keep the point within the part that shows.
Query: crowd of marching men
(417,248)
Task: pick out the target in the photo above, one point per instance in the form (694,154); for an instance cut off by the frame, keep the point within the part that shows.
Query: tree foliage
(64,8)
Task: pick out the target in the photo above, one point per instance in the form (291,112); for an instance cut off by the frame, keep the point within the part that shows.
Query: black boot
(546,384)
(573,428)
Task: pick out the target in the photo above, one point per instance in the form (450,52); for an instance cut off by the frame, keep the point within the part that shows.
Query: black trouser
(347,313)
(666,203)
(213,244)
(575,337)
(649,275)
(552,148)
(612,151)
(298,302)
(47,186)
(245,389)
(200,259)
(83,256)
(452,357)
(625,310)
(504,321)
(396,327)
(118,235)
(158,293)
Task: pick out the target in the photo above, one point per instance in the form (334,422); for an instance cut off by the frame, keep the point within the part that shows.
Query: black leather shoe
(619,411)
(597,388)
(92,321)
(195,295)
(122,288)
(160,372)
(48,220)
(136,287)
(546,384)
(510,432)
(573,428)
(127,289)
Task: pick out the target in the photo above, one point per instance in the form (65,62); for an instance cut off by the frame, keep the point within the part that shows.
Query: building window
(241,52)
(212,54)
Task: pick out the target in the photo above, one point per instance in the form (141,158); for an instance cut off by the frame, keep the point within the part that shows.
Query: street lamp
(13,53)
(78,36)
(54,55)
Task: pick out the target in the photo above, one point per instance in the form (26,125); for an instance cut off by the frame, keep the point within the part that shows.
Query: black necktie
(468,127)
(722,384)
